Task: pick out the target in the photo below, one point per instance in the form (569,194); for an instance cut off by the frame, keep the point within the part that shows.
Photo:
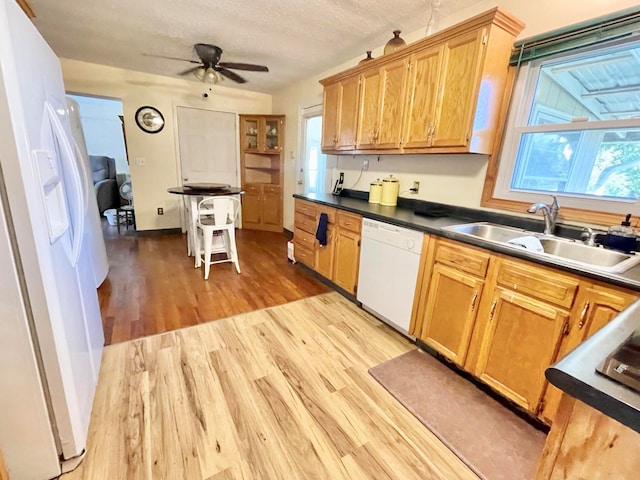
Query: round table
(194,195)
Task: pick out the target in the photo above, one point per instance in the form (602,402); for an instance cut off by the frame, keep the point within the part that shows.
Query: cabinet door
(595,306)
(392,86)
(272,134)
(251,206)
(272,206)
(368,125)
(450,311)
(520,341)
(348,117)
(324,255)
(330,119)
(460,76)
(420,100)
(347,259)
(250,131)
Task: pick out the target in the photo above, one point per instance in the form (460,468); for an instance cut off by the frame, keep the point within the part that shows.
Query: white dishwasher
(389,262)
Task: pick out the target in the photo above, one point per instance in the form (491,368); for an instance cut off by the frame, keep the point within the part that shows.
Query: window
(575,132)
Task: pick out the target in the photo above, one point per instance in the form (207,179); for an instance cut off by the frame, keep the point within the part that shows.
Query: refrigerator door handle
(77,201)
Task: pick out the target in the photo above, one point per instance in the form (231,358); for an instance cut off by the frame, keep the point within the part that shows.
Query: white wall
(454,179)
(102,128)
(159,151)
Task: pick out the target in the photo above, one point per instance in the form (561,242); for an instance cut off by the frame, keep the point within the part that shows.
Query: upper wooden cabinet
(441,94)
(339,115)
(262,172)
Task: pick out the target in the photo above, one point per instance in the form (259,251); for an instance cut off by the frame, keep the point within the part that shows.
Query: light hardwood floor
(280,393)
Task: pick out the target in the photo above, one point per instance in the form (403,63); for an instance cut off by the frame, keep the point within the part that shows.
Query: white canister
(375,191)
(390,190)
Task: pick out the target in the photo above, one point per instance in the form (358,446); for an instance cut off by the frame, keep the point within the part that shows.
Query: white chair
(216,214)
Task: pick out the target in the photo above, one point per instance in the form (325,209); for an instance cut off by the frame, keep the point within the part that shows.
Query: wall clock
(149,119)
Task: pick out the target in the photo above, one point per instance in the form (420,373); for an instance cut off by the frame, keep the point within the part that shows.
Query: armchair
(103,172)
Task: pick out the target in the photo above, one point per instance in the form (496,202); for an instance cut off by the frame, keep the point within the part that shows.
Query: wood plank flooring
(279,393)
(153,287)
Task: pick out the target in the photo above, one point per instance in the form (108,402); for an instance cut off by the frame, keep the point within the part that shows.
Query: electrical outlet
(416,187)
(365,164)
(140,161)
(160,211)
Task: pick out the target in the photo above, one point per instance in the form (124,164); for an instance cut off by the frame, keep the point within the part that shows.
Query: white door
(208,146)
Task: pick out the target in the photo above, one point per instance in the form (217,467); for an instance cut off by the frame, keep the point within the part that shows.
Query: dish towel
(321,232)
(528,243)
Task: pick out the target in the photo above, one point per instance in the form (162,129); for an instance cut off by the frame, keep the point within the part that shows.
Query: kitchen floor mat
(491,439)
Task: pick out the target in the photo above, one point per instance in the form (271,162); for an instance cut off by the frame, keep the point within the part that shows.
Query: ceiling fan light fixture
(207,75)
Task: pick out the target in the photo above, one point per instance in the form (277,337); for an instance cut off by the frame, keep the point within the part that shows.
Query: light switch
(140,161)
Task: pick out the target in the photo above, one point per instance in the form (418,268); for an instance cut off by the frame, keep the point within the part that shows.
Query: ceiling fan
(211,69)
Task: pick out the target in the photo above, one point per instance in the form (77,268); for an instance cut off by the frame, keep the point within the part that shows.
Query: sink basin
(489,231)
(567,251)
(598,257)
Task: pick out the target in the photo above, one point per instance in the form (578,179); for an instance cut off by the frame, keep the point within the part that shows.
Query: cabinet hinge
(358,242)
(355,289)
(468,136)
(566,328)
(485,38)
(409,66)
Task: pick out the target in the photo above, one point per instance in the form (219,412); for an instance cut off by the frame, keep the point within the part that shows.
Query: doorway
(314,162)
(103,129)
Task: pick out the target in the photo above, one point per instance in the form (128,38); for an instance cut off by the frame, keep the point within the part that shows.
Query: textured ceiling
(294,38)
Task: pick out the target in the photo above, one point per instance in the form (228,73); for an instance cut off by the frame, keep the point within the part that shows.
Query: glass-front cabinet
(262,133)
(262,172)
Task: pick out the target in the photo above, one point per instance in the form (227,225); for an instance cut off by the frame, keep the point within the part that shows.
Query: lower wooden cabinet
(448,323)
(505,320)
(262,207)
(347,252)
(587,444)
(520,341)
(339,259)
(595,306)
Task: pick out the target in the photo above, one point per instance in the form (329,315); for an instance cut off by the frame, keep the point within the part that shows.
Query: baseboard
(162,231)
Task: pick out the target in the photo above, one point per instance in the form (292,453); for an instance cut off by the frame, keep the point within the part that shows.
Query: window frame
(516,110)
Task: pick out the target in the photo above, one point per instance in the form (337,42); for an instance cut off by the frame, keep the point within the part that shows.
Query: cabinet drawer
(537,282)
(308,224)
(305,208)
(349,221)
(304,255)
(251,189)
(330,211)
(304,239)
(271,189)
(463,258)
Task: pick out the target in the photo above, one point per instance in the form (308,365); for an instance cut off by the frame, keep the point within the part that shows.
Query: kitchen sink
(564,250)
(489,231)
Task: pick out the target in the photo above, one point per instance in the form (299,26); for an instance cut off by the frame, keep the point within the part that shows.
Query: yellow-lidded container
(390,190)
(375,191)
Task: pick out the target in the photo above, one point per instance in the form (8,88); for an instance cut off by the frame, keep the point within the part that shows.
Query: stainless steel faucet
(550,214)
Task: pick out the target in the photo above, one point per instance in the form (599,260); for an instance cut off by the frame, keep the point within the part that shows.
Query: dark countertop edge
(576,373)
(403,216)
(600,400)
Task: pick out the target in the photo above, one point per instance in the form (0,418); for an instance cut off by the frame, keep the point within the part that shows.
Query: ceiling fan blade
(209,54)
(244,66)
(229,74)
(169,58)
(189,70)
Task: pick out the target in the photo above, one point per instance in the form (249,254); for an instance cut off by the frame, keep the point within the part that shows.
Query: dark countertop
(403,215)
(575,374)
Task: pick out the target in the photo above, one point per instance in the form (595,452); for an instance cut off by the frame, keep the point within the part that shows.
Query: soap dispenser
(622,237)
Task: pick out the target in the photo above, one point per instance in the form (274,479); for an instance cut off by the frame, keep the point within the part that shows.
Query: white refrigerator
(51,336)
